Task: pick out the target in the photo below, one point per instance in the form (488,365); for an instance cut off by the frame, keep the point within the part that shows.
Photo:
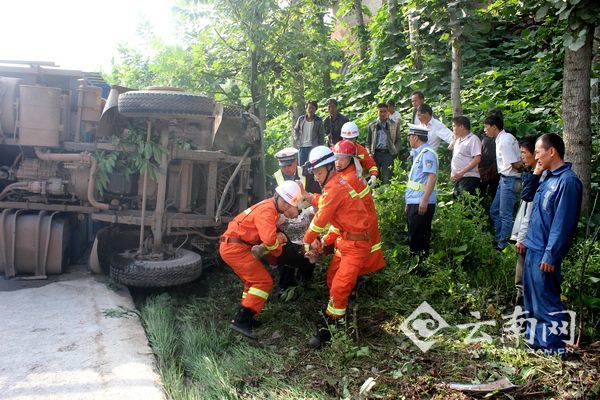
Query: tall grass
(199,358)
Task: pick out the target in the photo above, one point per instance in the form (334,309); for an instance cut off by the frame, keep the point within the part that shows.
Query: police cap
(417,130)
(286,156)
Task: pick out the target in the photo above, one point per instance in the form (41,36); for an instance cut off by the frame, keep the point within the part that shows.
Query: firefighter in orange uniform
(249,236)
(350,132)
(340,206)
(348,167)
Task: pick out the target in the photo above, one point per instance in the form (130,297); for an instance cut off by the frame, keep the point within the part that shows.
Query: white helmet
(349,130)
(290,192)
(319,156)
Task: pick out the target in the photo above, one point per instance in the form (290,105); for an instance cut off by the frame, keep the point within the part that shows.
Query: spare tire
(127,270)
(145,103)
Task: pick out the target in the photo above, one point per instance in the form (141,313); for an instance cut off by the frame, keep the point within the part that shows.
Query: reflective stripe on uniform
(258,293)
(361,156)
(279,178)
(244,294)
(364,192)
(274,246)
(338,312)
(353,193)
(376,247)
(373,169)
(247,211)
(334,230)
(416,186)
(306,247)
(315,228)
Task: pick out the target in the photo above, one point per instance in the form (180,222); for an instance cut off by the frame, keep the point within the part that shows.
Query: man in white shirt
(466,155)
(416,99)
(437,130)
(394,115)
(508,160)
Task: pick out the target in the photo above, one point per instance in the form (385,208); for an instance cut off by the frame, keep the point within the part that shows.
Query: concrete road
(73,337)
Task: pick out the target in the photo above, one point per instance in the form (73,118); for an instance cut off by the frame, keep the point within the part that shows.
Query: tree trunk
(577,132)
(326,57)
(362,30)
(456,67)
(255,90)
(298,102)
(413,40)
(393,11)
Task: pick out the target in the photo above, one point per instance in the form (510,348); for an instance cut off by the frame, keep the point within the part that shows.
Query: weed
(120,312)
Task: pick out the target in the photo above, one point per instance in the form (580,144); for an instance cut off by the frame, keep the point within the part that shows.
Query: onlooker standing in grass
(437,130)
(333,122)
(394,115)
(488,169)
(383,142)
(416,99)
(308,132)
(509,164)
(527,146)
(556,209)
(466,154)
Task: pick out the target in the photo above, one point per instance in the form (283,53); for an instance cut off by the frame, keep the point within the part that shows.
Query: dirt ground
(73,336)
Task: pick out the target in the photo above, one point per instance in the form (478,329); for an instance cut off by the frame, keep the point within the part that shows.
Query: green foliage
(277,136)
(135,156)
(581,15)
(106,164)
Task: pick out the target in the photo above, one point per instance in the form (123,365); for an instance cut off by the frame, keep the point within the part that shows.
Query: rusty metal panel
(211,189)
(33,243)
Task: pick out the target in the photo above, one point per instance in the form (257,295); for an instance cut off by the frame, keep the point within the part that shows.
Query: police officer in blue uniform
(556,194)
(289,170)
(420,193)
(293,267)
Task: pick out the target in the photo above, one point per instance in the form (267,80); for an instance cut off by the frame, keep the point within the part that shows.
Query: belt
(355,236)
(233,239)
(510,176)
(382,150)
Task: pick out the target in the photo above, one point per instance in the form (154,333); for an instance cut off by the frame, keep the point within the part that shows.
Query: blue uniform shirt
(556,208)
(424,162)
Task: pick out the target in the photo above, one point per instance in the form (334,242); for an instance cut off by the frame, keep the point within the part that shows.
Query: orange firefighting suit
(255,225)
(341,206)
(375,260)
(366,161)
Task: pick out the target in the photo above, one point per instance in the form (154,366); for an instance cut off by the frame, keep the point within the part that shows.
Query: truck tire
(125,269)
(147,103)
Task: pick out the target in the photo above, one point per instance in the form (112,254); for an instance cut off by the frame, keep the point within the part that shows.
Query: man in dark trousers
(308,132)
(383,142)
(420,195)
(556,209)
(334,122)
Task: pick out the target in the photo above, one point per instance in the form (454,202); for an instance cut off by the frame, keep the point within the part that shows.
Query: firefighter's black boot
(242,322)
(323,335)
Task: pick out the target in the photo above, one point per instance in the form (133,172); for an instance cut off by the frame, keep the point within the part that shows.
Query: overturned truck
(151,177)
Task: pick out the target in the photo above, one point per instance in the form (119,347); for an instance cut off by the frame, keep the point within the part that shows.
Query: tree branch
(225,41)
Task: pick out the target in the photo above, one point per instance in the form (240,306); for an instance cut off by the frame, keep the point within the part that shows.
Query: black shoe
(242,322)
(322,337)
(254,323)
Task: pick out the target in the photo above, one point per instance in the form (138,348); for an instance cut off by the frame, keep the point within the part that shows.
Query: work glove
(372,181)
(258,250)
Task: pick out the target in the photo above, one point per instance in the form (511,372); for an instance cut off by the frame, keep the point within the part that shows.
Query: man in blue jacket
(556,209)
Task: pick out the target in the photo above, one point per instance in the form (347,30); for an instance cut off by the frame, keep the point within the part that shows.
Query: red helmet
(344,148)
